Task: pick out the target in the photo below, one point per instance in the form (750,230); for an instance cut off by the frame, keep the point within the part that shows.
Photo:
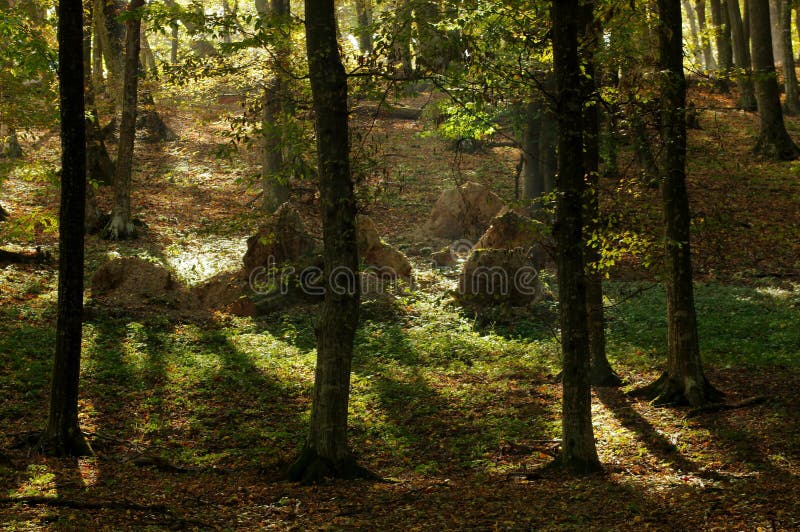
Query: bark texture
(62,435)
(773,140)
(579,454)
(684,381)
(121,225)
(326,452)
(791,105)
(744,73)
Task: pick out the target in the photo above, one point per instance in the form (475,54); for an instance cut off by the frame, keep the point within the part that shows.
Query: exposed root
(310,468)
(58,444)
(604,376)
(674,391)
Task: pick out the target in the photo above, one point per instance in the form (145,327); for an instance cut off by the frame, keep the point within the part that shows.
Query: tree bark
(590,34)
(532,180)
(62,435)
(9,143)
(579,454)
(275,112)
(326,452)
(696,47)
(775,29)
(121,225)
(791,105)
(684,381)
(364,16)
(773,140)
(708,54)
(722,37)
(744,77)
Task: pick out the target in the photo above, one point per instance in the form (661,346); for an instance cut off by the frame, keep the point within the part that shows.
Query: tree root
(720,407)
(673,391)
(61,445)
(311,468)
(604,376)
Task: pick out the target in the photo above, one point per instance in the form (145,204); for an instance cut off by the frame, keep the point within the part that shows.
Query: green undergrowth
(432,390)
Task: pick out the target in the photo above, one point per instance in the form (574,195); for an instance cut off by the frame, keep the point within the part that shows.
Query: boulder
(376,253)
(463,212)
(132,282)
(499,277)
(283,239)
(510,230)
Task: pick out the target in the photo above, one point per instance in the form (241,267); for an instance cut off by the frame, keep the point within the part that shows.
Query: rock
(510,230)
(132,282)
(463,212)
(444,258)
(499,277)
(283,239)
(377,254)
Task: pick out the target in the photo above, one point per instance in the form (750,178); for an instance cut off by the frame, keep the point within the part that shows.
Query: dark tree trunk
(579,454)
(590,34)
(708,54)
(63,436)
(548,137)
(773,140)
(121,225)
(326,452)
(684,381)
(791,105)
(532,181)
(744,76)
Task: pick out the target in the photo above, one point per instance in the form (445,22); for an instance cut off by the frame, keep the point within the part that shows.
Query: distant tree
(791,104)
(708,53)
(722,34)
(684,381)
(773,140)
(364,28)
(62,435)
(326,452)
(121,225)
(579,454)
(742,62)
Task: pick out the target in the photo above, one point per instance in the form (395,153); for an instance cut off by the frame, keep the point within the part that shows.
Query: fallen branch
(720,407)
(12,257)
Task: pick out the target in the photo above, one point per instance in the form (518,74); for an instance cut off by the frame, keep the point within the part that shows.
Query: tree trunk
(684,381)
(62,435)
(9,143)
(791,105)
(275,113)
(746,20)
(532,181)
(719,16)
(326,452)
(708,54)
(579,454)
(590,34)
(773,140)
(775,29)
(548,138)
(696,48)
(121,225)
(400,53)
(364,16)
(744,77)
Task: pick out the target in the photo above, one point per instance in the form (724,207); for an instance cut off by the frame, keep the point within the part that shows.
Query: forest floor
(194,420)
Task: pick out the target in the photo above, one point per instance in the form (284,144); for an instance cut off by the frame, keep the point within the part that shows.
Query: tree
(722,34)
(708,54)
(590,34)
(791,105)
(63,436)
(364,29)
(275,111)
(121,225)
(579,454)
(773,140)
(326,452)
(683,381)
(741,48)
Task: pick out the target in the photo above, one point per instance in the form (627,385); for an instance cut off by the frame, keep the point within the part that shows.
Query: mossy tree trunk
(326,452)
(579,454)
(62,435)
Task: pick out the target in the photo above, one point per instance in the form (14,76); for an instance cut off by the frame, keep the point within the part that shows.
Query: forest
(399,265)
